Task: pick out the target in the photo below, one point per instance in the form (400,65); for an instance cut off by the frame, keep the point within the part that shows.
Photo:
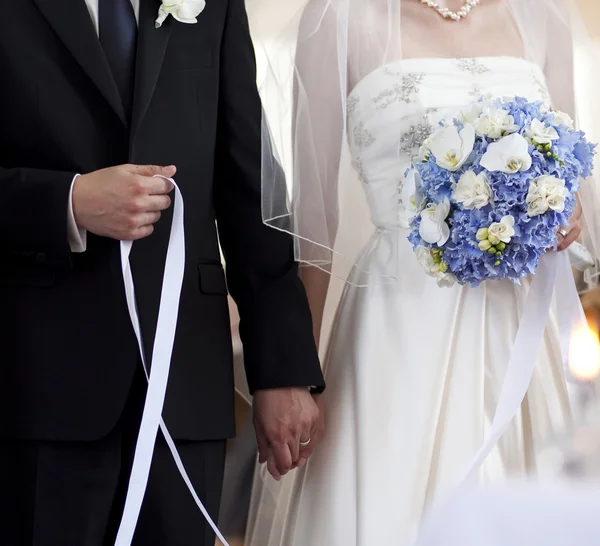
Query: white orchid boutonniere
(184,11)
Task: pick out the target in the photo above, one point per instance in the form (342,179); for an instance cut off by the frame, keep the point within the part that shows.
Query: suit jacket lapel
(152,44)
(71,21)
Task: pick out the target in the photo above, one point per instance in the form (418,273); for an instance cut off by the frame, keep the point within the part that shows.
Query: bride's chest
(400,103)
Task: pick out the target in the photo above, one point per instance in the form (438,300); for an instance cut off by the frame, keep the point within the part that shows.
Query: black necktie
(118,36)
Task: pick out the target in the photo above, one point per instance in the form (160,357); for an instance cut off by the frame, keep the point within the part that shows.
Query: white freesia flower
(433,228)
(536,204)
(452,148)
(473,190)
(508,155)
(562,118)
(502,231)
(445,280)
(538,133)
(411,195)
(546,192)
(495,123)
(433,267)
(471,113)
(184,11)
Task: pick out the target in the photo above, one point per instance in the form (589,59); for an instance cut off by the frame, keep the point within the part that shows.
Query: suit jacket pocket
(212,279)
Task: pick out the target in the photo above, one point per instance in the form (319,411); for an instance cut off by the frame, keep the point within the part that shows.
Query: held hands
(285,420)
(122,202)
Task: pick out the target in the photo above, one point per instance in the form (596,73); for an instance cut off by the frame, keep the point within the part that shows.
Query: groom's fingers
(283,457)
(272,465)
(263,446)
(294,446)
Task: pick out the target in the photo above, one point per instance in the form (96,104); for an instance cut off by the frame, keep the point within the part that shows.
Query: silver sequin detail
(415,137)
(362,137)
(402,91)
(541,88)
(351,104)
(360,170)
(475,92)
(473,66)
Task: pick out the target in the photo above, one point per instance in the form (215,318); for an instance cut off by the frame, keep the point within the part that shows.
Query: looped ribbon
(158,375)
(553,275)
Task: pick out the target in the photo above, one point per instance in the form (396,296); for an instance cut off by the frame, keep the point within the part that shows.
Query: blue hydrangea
(569,158)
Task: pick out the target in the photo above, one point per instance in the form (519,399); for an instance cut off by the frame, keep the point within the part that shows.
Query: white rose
(538,133)
(536,204)
(473,190)
(546,192)
(471,113)
(445,279)
(557,203)
(433,268)
(433,228)
(451,147)
(495,123)
(503,230)
(508,155)
(562,118)
(425,257)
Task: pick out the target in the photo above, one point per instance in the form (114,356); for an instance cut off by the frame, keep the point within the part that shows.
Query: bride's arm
(316,282)
(318,129)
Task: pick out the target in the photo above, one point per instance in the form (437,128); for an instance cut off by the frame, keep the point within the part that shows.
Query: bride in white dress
(414,371)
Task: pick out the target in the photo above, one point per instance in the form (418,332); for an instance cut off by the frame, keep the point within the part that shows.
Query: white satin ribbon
(158,377)
(553,272)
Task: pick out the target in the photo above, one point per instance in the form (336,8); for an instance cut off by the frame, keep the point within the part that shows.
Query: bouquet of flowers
(490,189)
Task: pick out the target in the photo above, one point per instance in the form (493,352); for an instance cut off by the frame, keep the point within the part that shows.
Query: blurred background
(242,451)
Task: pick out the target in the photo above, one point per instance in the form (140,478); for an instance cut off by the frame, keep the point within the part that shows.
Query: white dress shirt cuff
(77,236)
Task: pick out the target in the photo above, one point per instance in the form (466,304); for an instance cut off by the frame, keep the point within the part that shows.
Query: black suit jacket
(68,352)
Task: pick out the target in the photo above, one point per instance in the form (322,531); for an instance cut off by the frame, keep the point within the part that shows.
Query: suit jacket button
(41,257)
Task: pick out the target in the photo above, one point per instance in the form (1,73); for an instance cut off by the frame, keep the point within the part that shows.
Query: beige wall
(590,10)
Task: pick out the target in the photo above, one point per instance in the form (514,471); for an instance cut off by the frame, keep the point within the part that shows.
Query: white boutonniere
(184,11)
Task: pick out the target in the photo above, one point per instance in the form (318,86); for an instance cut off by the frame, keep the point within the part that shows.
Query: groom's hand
(283,418)
(122,202)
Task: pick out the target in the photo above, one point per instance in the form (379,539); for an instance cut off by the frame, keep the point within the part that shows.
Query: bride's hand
(317,433)
(573,230)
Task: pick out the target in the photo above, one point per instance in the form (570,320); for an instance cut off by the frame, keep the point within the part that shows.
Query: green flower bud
(497,262)
(484,245)
(492,250)
(482,234)
(501,246)
(498,254)
(493,239)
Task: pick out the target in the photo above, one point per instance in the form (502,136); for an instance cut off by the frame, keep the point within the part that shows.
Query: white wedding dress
(414,371)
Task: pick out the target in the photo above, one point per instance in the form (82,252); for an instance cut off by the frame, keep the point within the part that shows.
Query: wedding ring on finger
(563,233)
(305,444)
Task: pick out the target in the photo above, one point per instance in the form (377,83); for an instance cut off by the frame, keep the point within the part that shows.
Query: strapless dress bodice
(393,109)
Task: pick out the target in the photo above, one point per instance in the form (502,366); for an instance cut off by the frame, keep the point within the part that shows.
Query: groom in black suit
(92,95)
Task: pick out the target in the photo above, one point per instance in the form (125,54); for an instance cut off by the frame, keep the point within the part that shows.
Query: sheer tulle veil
(312,53)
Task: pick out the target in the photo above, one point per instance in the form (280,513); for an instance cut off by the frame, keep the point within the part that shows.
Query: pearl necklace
(448,14)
